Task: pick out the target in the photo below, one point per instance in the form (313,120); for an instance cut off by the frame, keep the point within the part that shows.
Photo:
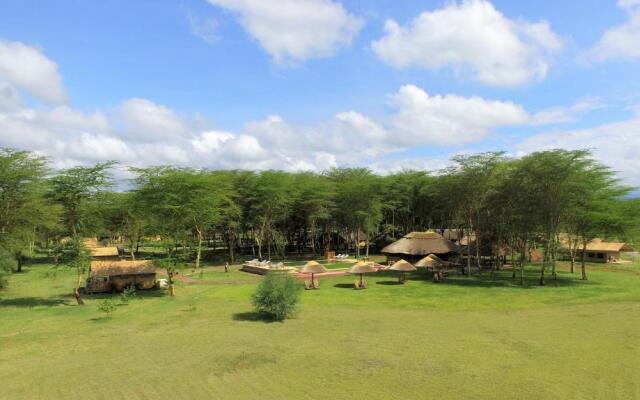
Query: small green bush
(107,307)
(128,293)
(277,296)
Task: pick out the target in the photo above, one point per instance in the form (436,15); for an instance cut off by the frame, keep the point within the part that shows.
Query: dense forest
(507,204)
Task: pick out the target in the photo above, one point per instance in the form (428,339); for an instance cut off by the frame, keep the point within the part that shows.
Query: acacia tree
(72,188)
(184,200)
(23,206)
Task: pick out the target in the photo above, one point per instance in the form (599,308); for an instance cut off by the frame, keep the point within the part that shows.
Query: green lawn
(467,338)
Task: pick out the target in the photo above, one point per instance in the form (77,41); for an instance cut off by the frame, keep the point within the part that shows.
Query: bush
(7,263)
(277,296)
(128,293)
(107,307)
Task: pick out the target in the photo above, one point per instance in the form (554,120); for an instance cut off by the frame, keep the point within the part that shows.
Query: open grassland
(467,338)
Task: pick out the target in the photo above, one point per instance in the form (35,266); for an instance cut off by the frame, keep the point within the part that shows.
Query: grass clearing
(466,338)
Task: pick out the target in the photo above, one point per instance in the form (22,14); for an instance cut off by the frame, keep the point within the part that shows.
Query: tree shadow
(253,316)
(389,283)
(502,280)
(29,302)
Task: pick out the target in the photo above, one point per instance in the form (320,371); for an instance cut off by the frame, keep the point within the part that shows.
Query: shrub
(128,293)
(7,263)
(277,296)
(107,307)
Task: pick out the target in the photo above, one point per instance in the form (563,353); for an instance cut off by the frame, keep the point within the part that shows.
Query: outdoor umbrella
(430,261)
(313,267)
(402,266)
(361,268)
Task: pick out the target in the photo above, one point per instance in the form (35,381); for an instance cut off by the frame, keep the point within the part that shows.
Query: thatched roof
(114,268)
(361,267)
(313,267)
(430,261)
(104,252)
(421,243)
(599,245)
(90,242)
(402,266)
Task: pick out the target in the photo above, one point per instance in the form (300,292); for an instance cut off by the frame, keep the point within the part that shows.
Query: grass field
(467,338)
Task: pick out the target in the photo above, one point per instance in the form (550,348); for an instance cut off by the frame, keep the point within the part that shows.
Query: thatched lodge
(105,253)
(415,245)
(108,276)
(599,250)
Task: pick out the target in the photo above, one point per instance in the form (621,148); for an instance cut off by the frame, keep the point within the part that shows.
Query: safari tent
(599,250)
(107,276)
(415,245)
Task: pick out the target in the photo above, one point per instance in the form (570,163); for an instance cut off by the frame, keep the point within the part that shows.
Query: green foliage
(277,296)
(129,293)
(107,306)
(6,265)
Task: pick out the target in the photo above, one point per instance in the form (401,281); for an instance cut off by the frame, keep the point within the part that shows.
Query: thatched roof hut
(106,276)
(361,267)
(599,250)
(416,245)
(109,253)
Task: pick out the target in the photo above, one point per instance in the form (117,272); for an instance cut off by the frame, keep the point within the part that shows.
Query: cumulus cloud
(616,144)
(29,69)
(621,41)
(471,37)
(450,119)
(147,121)
(204,28)
(295,30)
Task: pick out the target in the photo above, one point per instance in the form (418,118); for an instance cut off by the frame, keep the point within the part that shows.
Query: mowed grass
(467,338)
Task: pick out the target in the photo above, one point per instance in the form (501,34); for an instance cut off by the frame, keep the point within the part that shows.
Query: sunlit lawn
(466,338)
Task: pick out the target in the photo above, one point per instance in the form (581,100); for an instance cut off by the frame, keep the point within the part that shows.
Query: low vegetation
(277,296)
(470,337)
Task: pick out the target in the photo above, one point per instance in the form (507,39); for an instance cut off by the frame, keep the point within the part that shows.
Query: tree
(184,200)
(23,206)
(73,187)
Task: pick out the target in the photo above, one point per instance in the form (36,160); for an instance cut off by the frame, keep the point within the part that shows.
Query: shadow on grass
(344,285)
(254,316)
(389,283)
(504,279)
(29,302)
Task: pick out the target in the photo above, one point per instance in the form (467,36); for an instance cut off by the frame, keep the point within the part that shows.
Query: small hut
(599,250)
(107,276)
(416,245)
(105,253)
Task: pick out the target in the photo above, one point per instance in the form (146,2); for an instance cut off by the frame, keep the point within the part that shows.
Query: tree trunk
(19,261)
(583,262)
(199,248)
(76,292)
(172,289)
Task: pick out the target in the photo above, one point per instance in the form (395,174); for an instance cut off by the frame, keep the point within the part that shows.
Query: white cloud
(28,69)
(622,41)
(449,120)
(557,115)
(295,30)
(471,36)
(616,144)
(204,28)
(148,121)
(9,97)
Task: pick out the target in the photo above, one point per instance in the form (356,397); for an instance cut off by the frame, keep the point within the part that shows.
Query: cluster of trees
(539,201)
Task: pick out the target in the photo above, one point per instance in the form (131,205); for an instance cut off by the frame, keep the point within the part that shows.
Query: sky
(313,84)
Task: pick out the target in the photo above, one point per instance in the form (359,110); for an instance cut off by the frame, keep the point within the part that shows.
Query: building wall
(600,256)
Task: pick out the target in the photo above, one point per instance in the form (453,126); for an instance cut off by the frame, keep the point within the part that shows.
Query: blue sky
(309,84)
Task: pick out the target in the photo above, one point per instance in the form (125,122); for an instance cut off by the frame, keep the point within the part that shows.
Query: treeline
(506,204)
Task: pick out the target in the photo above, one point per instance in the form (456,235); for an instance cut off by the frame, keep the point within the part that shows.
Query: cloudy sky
(311,84)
